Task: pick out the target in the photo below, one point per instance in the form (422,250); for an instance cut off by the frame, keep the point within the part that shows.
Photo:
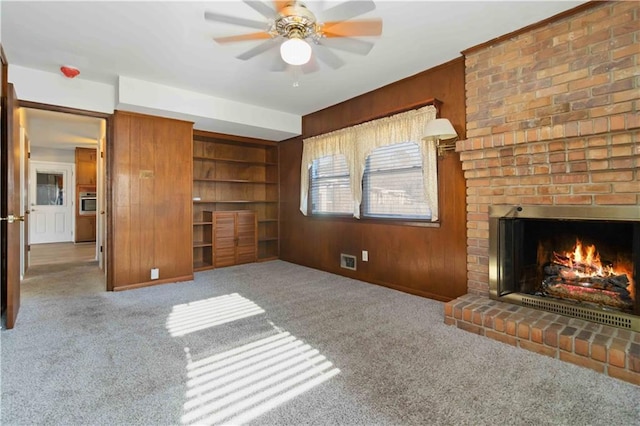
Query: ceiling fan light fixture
(295,51)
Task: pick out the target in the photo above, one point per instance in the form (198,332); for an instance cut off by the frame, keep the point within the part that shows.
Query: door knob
(11,218)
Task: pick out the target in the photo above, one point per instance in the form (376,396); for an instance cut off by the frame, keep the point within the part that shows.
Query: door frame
(106,217)
(24,200)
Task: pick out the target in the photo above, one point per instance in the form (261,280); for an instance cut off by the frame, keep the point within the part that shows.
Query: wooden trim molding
(523,30)
(154,282)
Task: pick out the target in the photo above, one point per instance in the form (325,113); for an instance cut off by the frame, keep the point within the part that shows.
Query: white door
(51,197)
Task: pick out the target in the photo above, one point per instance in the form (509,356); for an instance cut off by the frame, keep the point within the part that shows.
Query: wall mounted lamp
(443,132)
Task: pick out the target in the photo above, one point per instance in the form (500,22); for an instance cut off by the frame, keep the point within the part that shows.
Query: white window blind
(330,186)
(393,183)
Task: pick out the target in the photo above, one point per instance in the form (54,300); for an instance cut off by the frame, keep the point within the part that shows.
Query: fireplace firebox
(576,261)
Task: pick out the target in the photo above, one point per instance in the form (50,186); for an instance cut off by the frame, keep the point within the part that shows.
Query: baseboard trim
(154,282)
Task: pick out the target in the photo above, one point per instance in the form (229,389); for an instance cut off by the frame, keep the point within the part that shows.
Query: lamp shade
(295,51)
(440,128)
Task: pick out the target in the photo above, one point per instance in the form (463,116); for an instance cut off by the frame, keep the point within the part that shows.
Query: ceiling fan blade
(371,27)
(279,5)
(328,57)
(242,37)
(348,10)
(311,66)
(218,17)
(261,48)
(278,65)
(262,8)
(347,44)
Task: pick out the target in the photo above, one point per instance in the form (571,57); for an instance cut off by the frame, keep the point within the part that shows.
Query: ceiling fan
(295,28)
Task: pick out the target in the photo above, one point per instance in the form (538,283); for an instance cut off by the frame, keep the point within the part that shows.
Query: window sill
(374,221)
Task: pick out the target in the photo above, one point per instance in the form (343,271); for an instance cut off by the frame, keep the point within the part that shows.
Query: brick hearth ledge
(608,350)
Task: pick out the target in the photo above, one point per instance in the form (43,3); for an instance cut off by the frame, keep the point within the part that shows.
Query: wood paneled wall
(429,261)
(150,220)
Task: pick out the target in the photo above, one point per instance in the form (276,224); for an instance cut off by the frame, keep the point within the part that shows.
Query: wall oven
(87,203)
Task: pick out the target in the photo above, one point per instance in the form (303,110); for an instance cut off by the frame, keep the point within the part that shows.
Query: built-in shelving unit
(232,173)
(203,241)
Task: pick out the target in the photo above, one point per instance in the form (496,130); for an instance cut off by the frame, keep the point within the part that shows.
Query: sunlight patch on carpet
(239,385)
(202,314)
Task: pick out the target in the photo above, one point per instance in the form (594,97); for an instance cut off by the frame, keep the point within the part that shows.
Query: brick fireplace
(552,120)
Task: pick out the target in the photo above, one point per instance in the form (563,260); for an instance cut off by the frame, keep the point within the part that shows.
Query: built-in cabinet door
(234,238)
(224,231)
(245,237)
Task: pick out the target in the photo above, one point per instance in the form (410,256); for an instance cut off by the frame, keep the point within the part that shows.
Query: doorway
(65,158)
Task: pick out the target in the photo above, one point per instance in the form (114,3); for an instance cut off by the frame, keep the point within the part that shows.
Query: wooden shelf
(232,201)
(202,223)
(262,240)
(262,182)
(202,244)
(201,266)
(235,161)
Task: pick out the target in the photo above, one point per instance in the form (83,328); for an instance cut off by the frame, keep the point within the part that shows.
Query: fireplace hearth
(575,261)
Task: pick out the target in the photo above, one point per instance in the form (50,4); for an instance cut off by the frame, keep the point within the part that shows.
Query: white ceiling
(60,130)
(170,43)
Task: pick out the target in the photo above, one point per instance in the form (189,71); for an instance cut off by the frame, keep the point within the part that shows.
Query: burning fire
(584,261)
(588,260)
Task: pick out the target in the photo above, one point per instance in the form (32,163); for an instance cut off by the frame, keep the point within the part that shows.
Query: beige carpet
(276,343)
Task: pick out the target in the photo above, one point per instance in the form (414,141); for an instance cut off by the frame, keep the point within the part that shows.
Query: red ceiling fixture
(69,72)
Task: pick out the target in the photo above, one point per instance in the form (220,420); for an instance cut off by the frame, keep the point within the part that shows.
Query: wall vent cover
(347,261)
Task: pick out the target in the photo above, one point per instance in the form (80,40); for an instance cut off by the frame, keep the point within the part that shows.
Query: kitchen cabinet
(86,163)
(86,177)
(234,238)
(85,228)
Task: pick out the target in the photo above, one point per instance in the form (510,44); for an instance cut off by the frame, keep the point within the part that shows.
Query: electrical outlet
(155,273)
(365,256)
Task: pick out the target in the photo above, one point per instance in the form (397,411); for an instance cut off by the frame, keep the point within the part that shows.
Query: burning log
(592,295)
(621,281)
(581,267)
(581,275)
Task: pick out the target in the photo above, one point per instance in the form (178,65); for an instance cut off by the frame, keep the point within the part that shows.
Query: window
(393,183)
(49,189)
(401,165)
(330,187)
